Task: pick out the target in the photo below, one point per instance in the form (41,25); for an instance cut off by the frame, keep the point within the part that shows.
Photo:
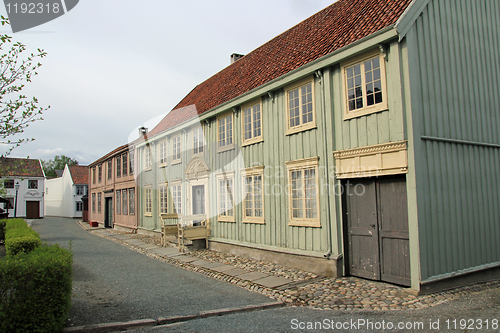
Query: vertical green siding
(454,48)
(276,149)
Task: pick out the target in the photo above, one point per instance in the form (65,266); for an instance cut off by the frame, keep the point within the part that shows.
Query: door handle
(372,225)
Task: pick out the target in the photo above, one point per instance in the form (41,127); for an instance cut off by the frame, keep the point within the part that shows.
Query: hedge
(2,229)
(20,238)
(35,290)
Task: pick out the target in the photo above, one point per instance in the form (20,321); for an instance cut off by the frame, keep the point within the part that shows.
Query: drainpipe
(319,75)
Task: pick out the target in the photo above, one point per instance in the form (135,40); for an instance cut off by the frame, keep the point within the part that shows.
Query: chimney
(235,57)
(143,131)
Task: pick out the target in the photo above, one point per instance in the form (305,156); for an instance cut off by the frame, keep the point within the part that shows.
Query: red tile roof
(20,167)
(79,174)
(342,23)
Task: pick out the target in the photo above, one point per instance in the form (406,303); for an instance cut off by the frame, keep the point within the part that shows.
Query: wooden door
(393,231)
(32,209)
(362,229)
(377,229)
(198,201)
(108,213)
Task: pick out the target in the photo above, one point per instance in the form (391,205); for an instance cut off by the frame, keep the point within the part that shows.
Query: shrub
(15,223)
(19,238)
(35,290)
(2,229)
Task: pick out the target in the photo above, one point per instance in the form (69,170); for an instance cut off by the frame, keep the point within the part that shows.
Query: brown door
(32,209)
(377,229)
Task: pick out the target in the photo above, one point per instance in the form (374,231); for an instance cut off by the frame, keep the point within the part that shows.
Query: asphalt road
(476,312)
(112,283)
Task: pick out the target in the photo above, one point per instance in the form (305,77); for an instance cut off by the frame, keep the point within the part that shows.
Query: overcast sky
(112,65)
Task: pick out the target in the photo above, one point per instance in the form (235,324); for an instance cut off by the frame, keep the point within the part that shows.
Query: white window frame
(163,153)
(176,194)
(147,158)
(163,194)
(250,107)
(301,165)
(148,196)
(226,146)
(226,177)
(302,126)
(252,172)
(365,110)
(198,140)
(176,149)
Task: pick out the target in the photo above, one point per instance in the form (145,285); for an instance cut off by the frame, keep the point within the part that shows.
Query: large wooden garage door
(32,209)
(377,229)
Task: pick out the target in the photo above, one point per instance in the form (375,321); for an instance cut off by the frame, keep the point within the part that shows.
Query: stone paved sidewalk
(289,285)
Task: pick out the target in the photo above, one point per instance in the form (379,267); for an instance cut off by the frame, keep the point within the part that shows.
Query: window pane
(297,211)
(131,201)
(118,202)
(293,103)
(307,115)
(124,203)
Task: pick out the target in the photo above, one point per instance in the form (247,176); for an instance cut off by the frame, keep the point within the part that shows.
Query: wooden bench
(186,232)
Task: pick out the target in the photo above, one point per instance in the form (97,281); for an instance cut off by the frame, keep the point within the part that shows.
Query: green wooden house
(363,141)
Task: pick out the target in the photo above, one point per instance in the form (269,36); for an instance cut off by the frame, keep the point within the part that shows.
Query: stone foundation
(317,265)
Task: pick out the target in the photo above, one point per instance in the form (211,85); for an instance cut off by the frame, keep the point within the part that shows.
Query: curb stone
(112,327)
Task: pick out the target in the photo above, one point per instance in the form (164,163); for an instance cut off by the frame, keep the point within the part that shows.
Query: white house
(24,181)
(63,195)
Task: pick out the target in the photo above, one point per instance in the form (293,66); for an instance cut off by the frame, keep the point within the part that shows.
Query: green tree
(58,163)
(17,111)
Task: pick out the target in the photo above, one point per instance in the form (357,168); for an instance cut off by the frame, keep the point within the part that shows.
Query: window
(99,168)
(93,175)
(33,184)
(124,164)
(46,190)
(9,183)
(99,197)
(124,202)
(252,124)
(118,166)
(131,162)
(300,107)
(110,169)
(253,204)
(225,132)
(147,202)
(79,206)
(176,149)
(364,83)
(198,140)
(225,200)
(131,201)
(163,192)
(163,152)
(177,199)
(93,202)
(303,192)
(118,202)
(147,157)
(80,189)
